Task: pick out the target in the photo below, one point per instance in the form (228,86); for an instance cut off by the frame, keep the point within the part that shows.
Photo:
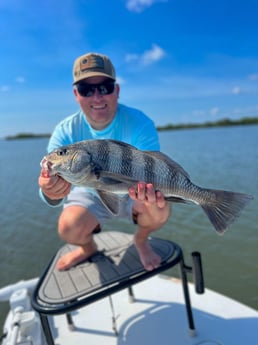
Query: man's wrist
(53,202)
(49,201)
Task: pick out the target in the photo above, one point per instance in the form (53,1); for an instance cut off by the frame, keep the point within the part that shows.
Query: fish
(111,167)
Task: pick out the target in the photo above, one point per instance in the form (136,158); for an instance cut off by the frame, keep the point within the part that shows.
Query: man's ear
(75,92)
(117,90)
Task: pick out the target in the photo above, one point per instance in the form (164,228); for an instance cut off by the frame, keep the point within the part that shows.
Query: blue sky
(179,61)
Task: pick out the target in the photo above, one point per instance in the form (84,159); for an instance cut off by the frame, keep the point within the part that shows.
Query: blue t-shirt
(129,125)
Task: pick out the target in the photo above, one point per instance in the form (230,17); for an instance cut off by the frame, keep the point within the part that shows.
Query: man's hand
(150,206)
(54,187)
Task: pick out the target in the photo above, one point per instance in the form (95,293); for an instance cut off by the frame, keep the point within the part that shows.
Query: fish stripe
(108,152)
(126,162)
(114,158)
(138,165)
(149,168)
(102,154)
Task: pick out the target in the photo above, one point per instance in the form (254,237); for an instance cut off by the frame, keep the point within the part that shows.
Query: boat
(150,309)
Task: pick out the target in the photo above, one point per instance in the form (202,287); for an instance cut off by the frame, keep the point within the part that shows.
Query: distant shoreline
(168,127)
(21,136)
(219,123)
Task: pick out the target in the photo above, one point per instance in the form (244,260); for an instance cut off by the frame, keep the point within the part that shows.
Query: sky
(179,61)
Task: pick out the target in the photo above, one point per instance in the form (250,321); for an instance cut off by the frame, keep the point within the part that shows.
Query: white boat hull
(157,316)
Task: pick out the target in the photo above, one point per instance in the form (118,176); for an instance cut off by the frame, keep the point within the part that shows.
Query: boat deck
(117,259)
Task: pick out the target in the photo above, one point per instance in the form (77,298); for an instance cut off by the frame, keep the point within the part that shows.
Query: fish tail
(224,207)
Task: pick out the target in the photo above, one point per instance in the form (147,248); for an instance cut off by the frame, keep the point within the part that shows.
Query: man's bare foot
(148,257)
(78,255)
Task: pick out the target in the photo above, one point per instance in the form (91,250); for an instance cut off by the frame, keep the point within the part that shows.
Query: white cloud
(236,90)
(148,57)
(154,54)
(198,113)
(214,111)
(120,80)
(253,77)
(246,111)
(20,80)
(131,57)
(201,112)
(140,5)
(4,88)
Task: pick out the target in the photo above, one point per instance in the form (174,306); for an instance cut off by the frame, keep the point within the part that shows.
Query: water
(224,158)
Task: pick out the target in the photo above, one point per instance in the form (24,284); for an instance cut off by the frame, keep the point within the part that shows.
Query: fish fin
(176,199)
(122,144)
(110,200)
(170,162)
(111,178)
(223,209)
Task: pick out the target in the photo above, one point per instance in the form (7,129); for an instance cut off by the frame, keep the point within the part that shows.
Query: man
(102,117)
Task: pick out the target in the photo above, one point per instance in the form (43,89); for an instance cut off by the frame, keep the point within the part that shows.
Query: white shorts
(81,196)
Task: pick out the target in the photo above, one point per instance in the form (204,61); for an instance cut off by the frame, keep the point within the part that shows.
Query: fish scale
(126,167)
(149,167)
(111,167)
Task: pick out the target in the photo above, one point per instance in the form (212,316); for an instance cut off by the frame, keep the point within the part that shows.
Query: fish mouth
(46,165)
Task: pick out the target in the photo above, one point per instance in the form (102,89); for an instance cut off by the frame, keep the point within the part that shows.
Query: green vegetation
(26,136)
(219,123)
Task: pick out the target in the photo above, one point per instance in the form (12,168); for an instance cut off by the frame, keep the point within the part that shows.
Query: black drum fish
(110,167)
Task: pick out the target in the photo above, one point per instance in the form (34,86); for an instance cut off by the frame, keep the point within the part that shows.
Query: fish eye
(61,152)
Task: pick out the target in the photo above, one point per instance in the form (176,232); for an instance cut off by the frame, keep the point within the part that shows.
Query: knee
(65,226)
(75,224)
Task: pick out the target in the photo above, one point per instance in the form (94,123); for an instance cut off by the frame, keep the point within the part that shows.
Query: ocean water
(220,158)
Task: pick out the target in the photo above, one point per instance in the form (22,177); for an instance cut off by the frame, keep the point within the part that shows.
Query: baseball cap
(92,65)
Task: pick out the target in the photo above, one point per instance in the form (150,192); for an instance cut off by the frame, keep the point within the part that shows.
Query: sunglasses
(88,90)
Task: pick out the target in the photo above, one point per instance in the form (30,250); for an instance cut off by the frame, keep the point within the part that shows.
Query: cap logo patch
(92,62)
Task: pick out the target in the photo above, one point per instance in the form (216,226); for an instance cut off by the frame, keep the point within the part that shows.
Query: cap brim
(93,74)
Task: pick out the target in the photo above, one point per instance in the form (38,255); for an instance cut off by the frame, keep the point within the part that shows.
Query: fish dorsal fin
(122,144)
(169,161)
